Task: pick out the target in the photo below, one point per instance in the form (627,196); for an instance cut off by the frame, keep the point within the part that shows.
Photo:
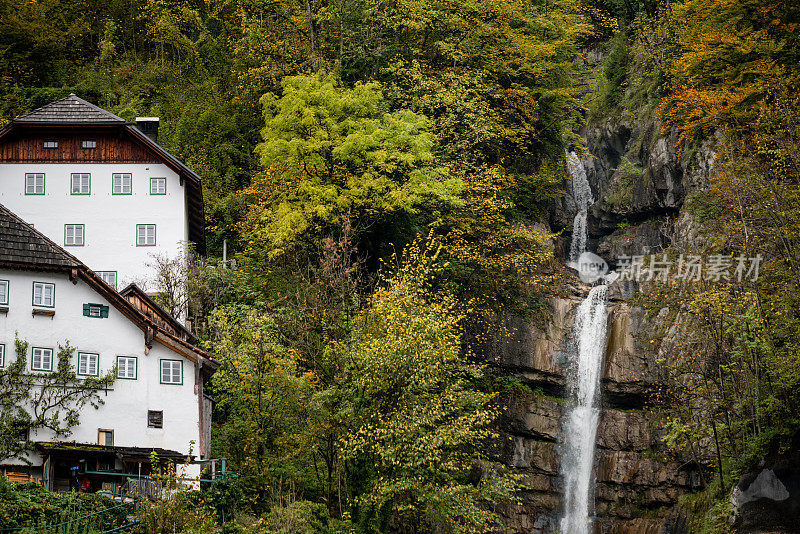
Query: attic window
(90,143)
(51,144)
(155,419)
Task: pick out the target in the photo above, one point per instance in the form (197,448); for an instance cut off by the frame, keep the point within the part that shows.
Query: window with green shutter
(95,310)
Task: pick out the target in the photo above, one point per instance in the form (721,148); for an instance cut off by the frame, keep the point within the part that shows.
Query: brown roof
(150,308)
(69,110)
(21,243)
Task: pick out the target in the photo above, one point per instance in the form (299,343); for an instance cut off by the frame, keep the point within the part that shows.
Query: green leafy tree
(346,154)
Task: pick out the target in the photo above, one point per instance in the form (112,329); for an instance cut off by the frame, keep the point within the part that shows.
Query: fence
(117,518)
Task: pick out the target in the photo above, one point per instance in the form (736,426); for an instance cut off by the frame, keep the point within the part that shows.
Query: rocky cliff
(640,181)
(637,485)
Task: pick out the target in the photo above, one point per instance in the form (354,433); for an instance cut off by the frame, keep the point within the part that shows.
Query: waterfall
(580,425)
(582,194)
(583,376)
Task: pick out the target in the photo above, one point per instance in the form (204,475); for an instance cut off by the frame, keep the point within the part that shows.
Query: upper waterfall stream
(582,194)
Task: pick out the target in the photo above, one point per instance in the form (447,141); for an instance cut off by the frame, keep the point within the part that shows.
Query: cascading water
(580,425)
(583,376)
(582,194)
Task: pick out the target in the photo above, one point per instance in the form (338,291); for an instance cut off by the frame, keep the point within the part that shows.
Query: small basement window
(51,144)
(44,294)
(155,419)
(105,437)
(90,143)
(95,310)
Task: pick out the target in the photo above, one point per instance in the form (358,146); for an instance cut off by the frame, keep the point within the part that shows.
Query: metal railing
(117,518)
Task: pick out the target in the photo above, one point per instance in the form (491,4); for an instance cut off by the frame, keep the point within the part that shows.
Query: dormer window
(90,143)
(51,144)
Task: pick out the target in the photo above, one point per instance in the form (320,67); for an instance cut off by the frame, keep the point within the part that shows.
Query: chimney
(148,126)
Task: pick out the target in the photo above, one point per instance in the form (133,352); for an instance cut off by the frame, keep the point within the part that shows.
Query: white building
(100,187)
(157,401)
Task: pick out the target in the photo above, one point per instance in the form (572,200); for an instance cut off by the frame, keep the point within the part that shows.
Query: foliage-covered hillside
(383,172)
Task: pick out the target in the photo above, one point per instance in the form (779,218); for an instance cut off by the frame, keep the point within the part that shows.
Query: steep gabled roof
(21,243)
(70,110)
(23,247)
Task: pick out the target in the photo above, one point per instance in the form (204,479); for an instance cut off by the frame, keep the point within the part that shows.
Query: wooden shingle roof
(20,243)
(69,110)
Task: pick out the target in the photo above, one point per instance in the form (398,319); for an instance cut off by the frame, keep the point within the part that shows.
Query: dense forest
(383,174)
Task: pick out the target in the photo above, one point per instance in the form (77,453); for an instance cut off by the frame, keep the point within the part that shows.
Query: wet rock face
(636,486)
(640,178)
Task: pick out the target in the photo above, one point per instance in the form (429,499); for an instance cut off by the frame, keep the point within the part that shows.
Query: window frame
(50,143)
(96,364)
(33,294)
(85,143)
(2,355)
(83,235)
(72,184)
(105,431)
(161,363)
(153,181)
(7,284)
(101,273)
(160,426)
(44,184)
(135,368)
(42,369)
(155,234)
(129,174)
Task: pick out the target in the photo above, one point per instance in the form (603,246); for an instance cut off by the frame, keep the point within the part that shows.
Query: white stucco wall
(127,401)
(110,220)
